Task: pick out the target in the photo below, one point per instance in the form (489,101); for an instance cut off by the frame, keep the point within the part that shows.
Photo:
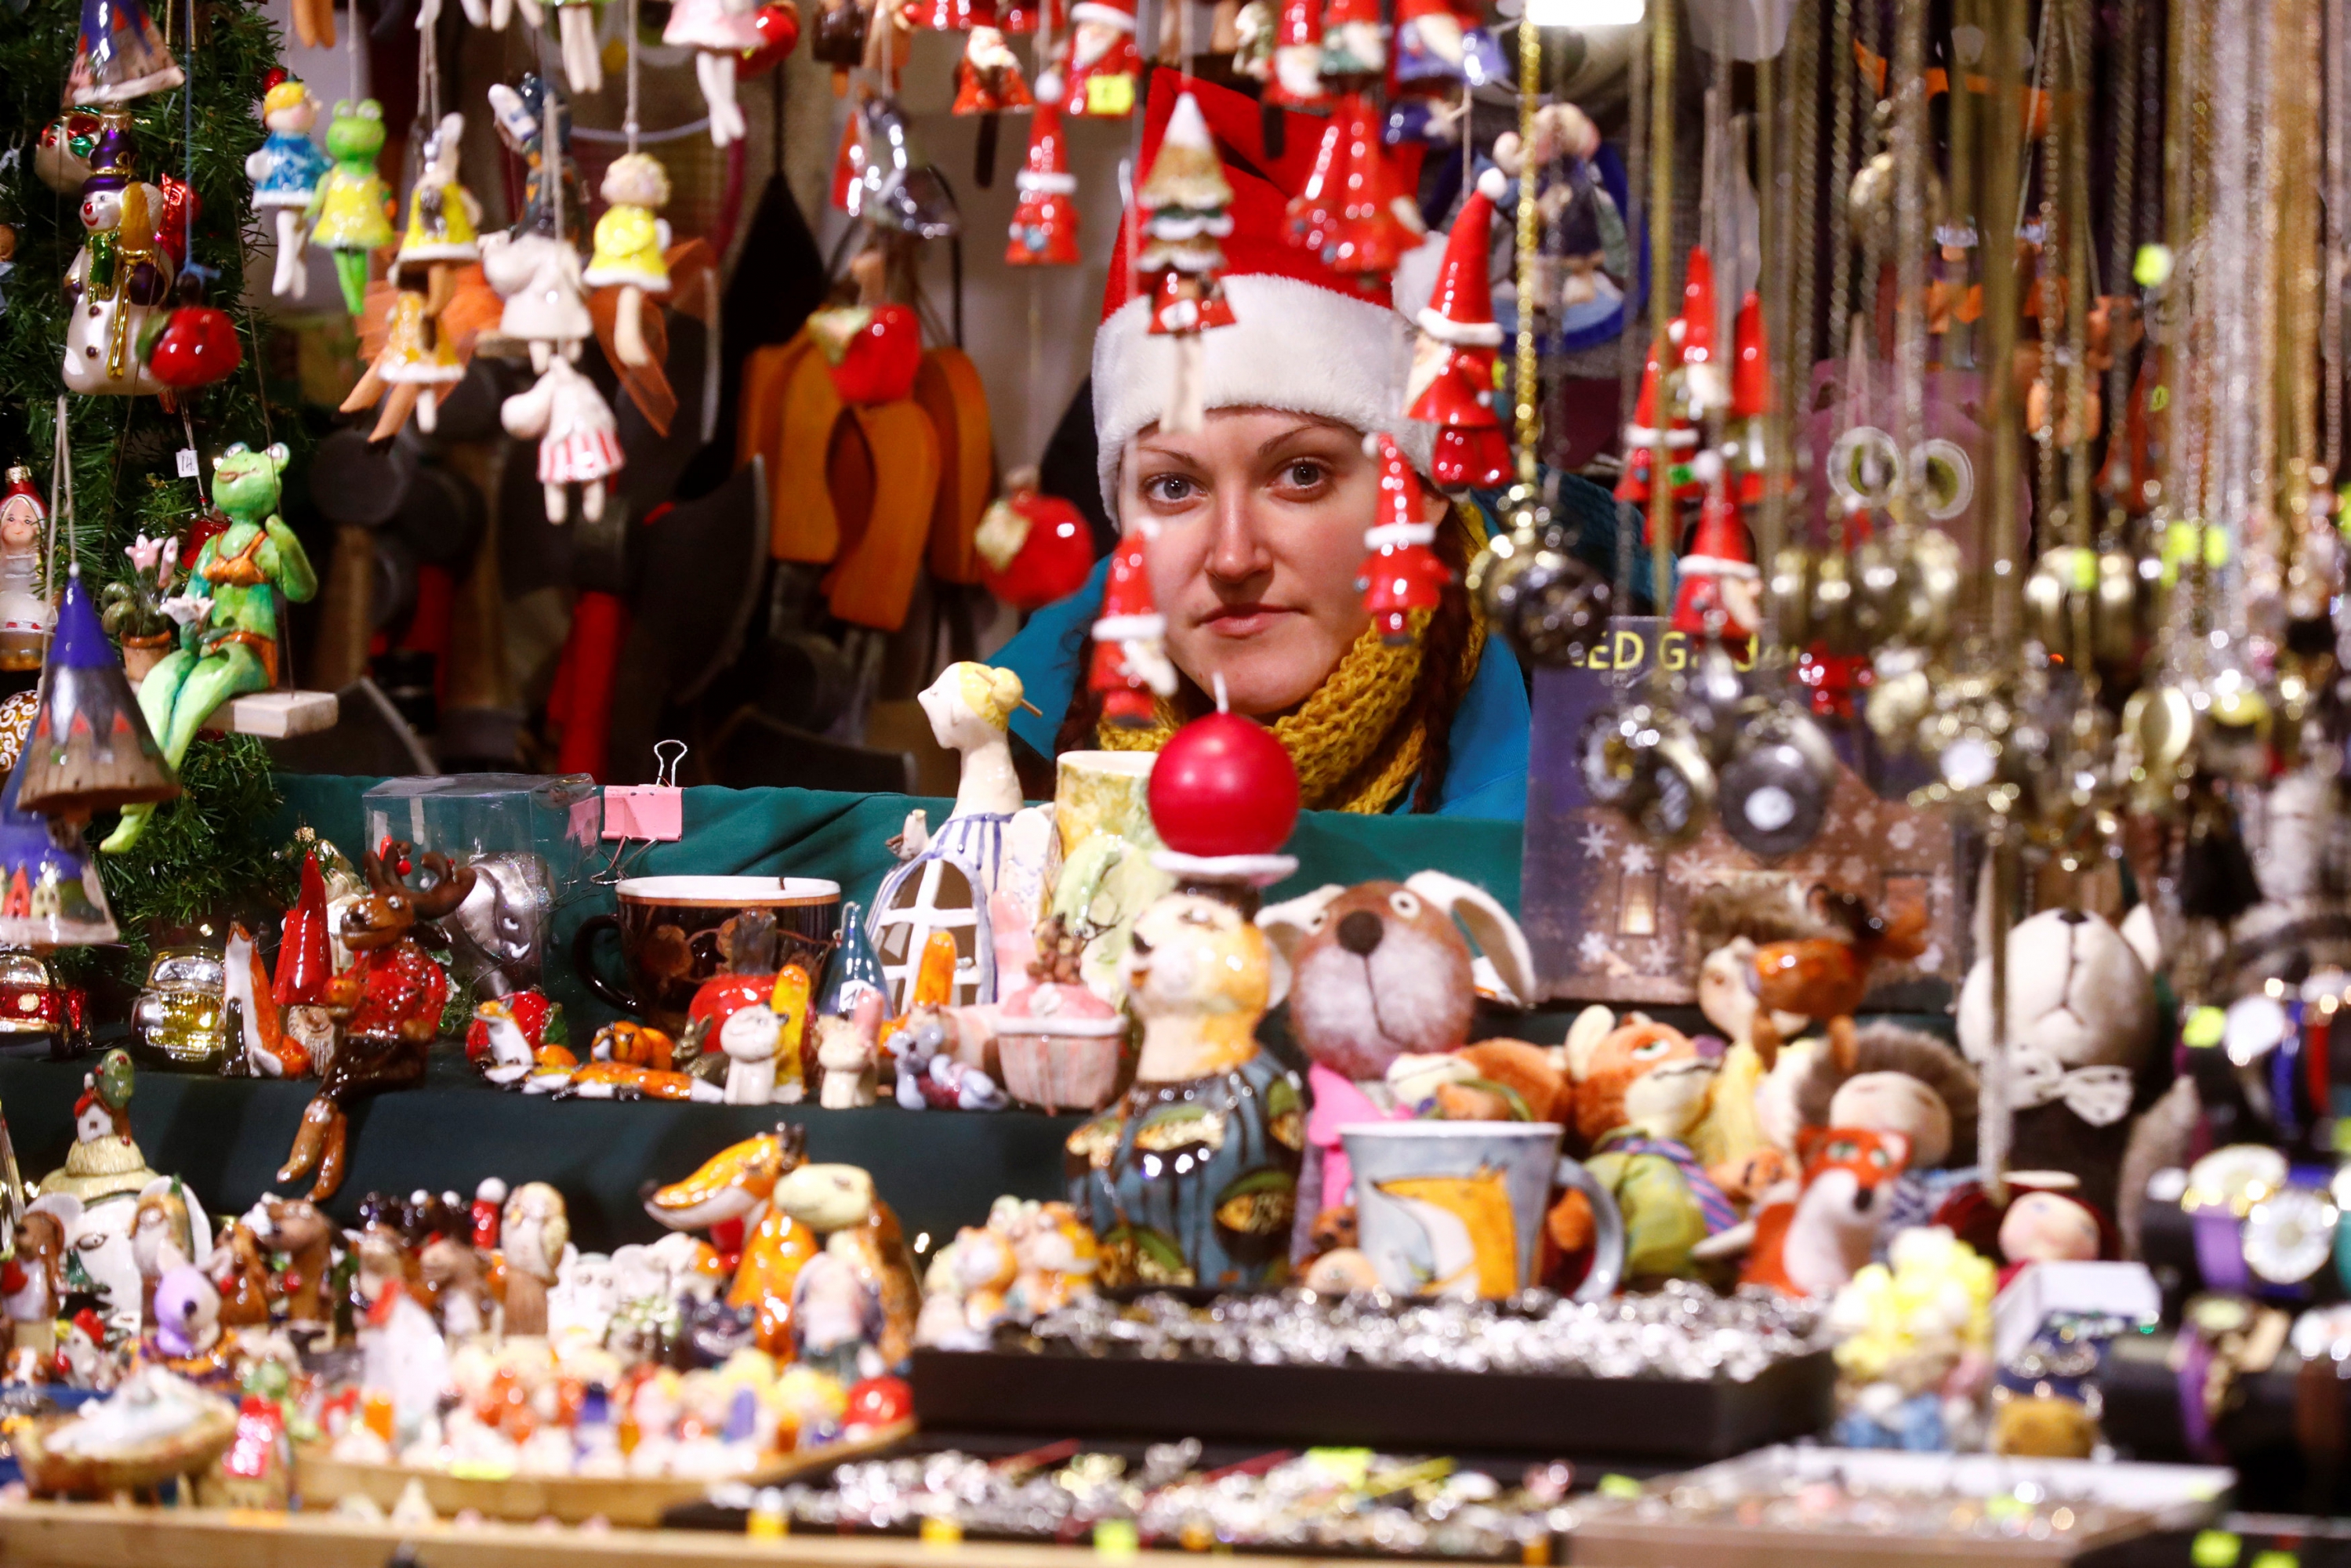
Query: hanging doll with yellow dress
(419,359)
(631,246)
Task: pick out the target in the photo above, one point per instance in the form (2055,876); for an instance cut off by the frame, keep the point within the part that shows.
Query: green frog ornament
(227,616)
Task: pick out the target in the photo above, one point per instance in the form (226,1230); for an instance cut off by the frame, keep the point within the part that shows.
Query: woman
(1254,525)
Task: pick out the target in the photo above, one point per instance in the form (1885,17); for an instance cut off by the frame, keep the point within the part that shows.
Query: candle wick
(1222,705)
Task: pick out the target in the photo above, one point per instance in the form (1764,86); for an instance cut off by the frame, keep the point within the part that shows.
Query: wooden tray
(322,1481)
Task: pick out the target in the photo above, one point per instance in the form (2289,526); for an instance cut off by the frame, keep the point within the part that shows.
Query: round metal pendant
(1607,756)
(1774,800)
(1714,700)
(1793,570)
(1679,791)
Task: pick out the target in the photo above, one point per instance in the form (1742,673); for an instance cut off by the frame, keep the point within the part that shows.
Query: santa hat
(1119,13)
(90,1323)
(1461,308)
(1047,172)
(1307,339)
(1128,613)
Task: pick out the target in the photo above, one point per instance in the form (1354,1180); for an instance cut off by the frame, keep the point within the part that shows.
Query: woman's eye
(1304,473)
(1168,489)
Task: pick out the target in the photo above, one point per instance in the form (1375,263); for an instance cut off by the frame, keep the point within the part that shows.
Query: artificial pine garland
(205,856)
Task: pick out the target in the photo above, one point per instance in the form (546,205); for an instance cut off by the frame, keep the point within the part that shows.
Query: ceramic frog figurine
(350,206)
(227,614)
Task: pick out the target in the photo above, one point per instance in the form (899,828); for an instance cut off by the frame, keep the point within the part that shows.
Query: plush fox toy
(1811,1246)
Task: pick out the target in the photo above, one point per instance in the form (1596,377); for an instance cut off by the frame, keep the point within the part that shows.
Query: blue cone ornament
(90,749)
(119,56)
(50,895)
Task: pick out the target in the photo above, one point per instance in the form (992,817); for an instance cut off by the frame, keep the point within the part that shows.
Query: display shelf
(99,1535)
(224,1138)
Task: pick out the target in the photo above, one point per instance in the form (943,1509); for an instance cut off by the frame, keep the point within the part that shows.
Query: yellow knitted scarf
(1352,749)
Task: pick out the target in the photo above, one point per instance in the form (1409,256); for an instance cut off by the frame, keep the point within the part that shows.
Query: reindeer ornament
(389,1001)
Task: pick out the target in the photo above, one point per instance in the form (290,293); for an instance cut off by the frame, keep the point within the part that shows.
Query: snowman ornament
(119,280)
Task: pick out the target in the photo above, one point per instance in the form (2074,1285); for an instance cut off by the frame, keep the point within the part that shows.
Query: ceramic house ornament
(285,170)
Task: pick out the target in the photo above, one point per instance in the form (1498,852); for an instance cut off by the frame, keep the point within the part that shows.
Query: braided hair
(1437,691)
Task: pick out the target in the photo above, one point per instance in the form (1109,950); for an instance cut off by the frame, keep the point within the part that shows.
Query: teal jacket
(1486,775)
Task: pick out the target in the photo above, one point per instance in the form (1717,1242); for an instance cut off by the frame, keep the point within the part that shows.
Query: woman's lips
(1245,620)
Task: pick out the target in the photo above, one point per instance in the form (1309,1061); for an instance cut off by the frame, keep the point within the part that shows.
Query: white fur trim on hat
(1293,346)
(1716,566)
(1129,628)
(1469,334)
(1386,534)
(1029,185)
(1108,15)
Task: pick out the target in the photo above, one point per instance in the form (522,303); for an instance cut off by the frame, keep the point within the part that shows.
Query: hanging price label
(1111,96)
(186,456)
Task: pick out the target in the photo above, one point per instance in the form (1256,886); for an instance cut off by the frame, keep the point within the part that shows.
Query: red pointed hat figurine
(1045,223)
(304,966)
(1356,212)
(1704,384)
(1100,62)
(1130,666)
(1402,573)
(1750,399)
(1453,363)
(1720,591)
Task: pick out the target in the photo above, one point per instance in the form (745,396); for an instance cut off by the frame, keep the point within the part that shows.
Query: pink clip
(647,812)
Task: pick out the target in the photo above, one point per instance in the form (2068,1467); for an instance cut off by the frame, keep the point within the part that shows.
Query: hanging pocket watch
(1550,606)
(1643,761)
(1714,701)
(1900,697)
(1775,791)
(2233,741)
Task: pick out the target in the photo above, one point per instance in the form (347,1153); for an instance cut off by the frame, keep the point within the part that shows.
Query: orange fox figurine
(1811,1247)
(1826,977)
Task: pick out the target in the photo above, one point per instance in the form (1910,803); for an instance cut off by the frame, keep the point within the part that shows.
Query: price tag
(1110,96)
(647,811)
(187,458)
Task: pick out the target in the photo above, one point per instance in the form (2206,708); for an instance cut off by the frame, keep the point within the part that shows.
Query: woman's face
(1261,537)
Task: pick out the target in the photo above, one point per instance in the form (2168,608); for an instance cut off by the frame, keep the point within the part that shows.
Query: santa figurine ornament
(1045,223)
(1454,359)
(1184,201)
(1403,574)
(1130,666)
(1746,426)
(1293,79)
(987,79)
(1100,63)
(1720,589)
(1356,212)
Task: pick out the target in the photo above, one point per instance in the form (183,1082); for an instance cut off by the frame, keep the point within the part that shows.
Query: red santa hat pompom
(1310,339)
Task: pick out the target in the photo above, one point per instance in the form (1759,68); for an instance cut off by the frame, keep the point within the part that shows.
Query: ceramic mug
(675,932)
(1456,1208)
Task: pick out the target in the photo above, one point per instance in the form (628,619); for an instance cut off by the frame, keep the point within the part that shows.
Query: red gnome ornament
(1045,223)
(1100,63)
(1130,663)
(1704,387)
(1354,213)
(1644,437)
(1720,588)
(1296,81)
(305,962)
(1750,400)
(1453,362)
(1403,574)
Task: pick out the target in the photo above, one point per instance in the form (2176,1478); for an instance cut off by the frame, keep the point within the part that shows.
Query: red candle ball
(879,1402)
(1224,786)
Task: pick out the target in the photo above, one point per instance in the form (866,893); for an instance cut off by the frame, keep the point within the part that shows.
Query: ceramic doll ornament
(630,244)
(539,276)
(945,882)
(228,614)
(120,277)
(1192,1177)
(583,61)
(720,32)
(578,439)
(534,1238)
(350,207)
(285,170)
(1454,355)
(32,1289)
(2047,1227)
(418,364)
(26,614)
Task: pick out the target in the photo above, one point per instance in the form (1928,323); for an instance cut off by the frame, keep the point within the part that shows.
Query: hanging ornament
(419,359)
(90,749)
(583,63)
(1045,223)
(1100,62)
(351,204)
(50,894)
(1747,424)
(881,178)
(1185,201)
(1403,574)
(1034,549)
(285,170)
(119,56)
(987,77)
(61,157)
(1439,44)
(578,441)
(1130,665)
(305,954)
(631,246)
(1719,589)
(1454,362)
(721,32)
(523,116)
(873,348)
(1354,44)
(1025,16)
(1294,77)
(778,22)
(119,277)
(1703,385)
(25,612)
(199,344)
(538,277)
(1354,212)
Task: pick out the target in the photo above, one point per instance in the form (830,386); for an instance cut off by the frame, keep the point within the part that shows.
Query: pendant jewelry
(1775,790)
(1645,762)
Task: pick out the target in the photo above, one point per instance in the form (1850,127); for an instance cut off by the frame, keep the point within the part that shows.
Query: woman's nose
(1238,551)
